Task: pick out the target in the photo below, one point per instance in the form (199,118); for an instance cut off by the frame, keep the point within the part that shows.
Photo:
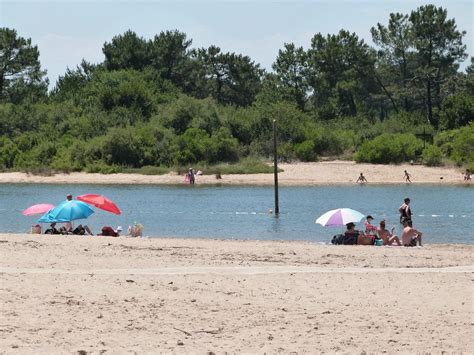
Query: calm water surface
(443,213)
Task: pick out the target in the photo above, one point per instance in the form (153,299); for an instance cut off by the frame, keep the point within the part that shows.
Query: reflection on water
(443,213)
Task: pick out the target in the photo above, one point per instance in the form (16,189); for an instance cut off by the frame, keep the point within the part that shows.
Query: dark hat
(369,216)
(350,225)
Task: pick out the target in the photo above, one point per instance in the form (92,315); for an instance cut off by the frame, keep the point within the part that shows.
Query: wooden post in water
(275,168)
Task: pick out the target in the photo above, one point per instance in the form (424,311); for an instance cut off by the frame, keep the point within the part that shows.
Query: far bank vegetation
(155,105)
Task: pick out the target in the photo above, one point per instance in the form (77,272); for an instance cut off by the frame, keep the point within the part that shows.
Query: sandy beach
(122,295)
(321,173)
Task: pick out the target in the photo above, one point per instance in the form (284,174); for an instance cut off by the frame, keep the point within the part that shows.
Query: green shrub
(389,148)
(286,152)
(432,155)
(148,170)
(103,168)
(305,151)
(463,145)
(245,166)
(458,144)
(8,152)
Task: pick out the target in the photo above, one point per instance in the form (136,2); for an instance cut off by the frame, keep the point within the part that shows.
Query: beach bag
(337,239)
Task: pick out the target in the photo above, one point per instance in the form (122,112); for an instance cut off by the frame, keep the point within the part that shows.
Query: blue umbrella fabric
(67,211)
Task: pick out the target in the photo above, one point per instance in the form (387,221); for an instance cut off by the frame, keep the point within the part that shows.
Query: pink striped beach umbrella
(339,217)
(40,208)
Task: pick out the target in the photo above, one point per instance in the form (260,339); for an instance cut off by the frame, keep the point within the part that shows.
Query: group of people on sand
(67,228)
(361,179)
(381,235)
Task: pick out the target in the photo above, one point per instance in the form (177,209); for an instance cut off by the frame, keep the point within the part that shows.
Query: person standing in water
(191,176)
(361,179)
(405,211)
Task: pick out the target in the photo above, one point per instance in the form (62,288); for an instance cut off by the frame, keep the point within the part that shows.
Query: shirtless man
(387,237)
(410,236)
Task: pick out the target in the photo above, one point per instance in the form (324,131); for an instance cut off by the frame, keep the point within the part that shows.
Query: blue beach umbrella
(67,211)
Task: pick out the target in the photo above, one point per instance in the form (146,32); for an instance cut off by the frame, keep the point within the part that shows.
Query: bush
(8,152)
(286,152)
(103,168)
(147,170)
(389,148)
(458,144)
(305,151)
(463,146)
(432,155)
(246,166)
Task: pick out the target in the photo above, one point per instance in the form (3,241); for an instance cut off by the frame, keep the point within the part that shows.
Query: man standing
(191,176)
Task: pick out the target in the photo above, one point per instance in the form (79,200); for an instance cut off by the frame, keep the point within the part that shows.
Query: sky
(68,31)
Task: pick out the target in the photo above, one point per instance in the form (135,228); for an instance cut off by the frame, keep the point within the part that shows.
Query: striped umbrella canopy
(340,217)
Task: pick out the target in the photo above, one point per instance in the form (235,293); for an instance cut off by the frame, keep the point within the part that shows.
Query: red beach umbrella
(40,208)
(100,201)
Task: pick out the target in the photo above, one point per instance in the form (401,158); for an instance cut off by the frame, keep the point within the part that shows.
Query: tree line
(159,102)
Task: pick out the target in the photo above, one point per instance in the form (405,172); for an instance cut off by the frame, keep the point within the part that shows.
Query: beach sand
(63,294)
(321,173)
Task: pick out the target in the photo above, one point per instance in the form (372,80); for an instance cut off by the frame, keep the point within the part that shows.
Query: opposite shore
(295,174)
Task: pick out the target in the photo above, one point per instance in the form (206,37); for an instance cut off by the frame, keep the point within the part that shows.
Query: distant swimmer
(407,177)
(361,179)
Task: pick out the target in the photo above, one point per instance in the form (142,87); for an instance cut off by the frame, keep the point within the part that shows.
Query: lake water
(443,213)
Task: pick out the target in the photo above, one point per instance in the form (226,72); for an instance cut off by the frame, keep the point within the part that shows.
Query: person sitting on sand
(79,230)
(361,179)
(410,235)
(369,228)
(467,175)
(52,229)
(388,237)
(108,231)
(360,237)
